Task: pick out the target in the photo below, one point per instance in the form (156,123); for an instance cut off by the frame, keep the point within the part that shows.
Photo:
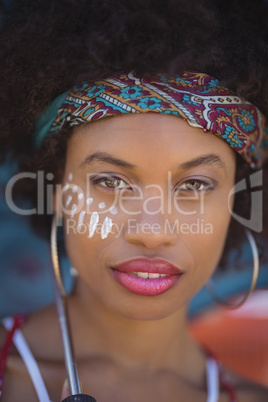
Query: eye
(195,185)
(110,182)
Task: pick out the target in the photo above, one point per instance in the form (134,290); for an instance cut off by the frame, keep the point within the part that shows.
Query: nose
(150,231)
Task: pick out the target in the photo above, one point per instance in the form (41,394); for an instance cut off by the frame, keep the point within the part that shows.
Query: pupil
(112,183)
(193,185)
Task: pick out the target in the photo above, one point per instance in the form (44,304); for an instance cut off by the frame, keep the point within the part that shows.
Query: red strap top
(17,323)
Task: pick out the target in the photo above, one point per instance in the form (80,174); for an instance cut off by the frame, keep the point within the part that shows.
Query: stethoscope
(60,299)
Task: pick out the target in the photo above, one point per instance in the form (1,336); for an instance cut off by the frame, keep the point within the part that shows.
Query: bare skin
(131,347)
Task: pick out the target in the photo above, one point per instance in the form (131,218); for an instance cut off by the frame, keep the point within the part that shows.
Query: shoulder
(42,340)
(253,392)
(40,331)
(247,390)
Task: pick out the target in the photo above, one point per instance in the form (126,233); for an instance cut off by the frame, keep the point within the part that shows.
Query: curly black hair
(47,47)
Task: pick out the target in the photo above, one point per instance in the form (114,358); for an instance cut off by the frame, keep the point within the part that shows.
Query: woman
(139,175)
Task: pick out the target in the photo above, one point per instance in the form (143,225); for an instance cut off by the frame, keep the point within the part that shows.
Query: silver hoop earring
(60,297)
(255,274)
(55,258)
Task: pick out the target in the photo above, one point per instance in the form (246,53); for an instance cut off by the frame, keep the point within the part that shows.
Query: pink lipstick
(146,277)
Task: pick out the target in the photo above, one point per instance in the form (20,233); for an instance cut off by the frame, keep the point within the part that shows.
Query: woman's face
(145,193)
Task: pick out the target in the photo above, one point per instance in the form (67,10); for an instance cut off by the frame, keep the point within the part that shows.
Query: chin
(146,309)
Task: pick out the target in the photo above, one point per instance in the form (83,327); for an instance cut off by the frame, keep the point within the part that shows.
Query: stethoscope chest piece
(79,398)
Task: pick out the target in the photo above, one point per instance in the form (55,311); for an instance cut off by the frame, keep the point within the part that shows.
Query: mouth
(146,277)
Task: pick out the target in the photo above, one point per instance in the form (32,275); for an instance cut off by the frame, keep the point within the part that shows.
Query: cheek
(90,231)
(207,239)
(90,222)
(83,250)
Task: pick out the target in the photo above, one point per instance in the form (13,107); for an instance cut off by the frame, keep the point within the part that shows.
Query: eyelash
(208,185)
(96,180)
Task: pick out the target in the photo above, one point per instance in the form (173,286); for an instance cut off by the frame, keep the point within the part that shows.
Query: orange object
(238,338)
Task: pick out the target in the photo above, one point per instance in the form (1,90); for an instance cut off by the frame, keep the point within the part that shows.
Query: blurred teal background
(25,280)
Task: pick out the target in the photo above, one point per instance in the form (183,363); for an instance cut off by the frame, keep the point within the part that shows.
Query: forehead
(140,136)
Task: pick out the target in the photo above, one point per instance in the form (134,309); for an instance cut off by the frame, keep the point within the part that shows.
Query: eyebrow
(104,157)
(210,159)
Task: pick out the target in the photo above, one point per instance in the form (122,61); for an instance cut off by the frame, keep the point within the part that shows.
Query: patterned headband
(198,98)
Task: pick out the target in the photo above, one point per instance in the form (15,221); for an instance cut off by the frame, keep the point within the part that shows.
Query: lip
(122,273)
(151,265)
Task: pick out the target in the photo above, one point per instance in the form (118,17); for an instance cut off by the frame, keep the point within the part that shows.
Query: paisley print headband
(198,98)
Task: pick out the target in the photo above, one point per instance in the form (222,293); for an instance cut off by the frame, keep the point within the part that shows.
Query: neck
(151,345)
